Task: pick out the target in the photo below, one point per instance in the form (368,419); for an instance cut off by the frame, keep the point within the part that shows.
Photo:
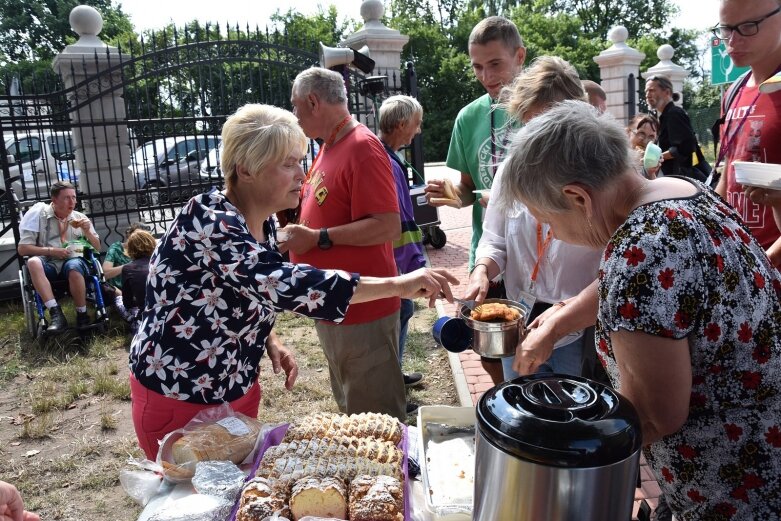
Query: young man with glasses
(751,30)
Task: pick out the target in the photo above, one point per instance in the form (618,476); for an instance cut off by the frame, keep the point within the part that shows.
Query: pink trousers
(155,415)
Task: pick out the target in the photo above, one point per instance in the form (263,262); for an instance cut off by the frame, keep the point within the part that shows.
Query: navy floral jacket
(212,297)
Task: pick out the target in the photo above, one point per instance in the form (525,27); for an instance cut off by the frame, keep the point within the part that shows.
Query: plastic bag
(196,507)
(218,478)
(214,434)
(141,484)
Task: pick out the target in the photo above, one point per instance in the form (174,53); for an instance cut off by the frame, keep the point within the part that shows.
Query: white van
(36,159)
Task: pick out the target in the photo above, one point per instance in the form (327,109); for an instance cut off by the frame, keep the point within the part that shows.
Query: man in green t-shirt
(481,131)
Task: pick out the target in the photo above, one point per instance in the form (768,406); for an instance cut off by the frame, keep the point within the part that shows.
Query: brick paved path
(470,378)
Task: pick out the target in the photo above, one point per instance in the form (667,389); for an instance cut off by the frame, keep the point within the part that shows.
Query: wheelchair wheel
(437,238)
(32,322)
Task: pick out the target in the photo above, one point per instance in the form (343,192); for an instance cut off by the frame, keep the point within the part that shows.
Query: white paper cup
(282,235)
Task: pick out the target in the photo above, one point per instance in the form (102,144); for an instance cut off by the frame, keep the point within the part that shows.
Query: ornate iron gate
(178,88)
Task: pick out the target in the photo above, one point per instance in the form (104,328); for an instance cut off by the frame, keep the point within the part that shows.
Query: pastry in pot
(495,312)
(319,497)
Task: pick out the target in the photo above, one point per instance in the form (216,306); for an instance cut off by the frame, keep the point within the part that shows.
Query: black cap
(559,420)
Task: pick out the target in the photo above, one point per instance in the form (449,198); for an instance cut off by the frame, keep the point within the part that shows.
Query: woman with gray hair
(689,310)
(539,271)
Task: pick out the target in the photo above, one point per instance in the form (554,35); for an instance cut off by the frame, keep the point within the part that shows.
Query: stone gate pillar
(91,72)
(615,65)
(666,67)
(385,44)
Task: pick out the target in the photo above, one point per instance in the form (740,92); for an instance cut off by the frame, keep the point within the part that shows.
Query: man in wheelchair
(45,231)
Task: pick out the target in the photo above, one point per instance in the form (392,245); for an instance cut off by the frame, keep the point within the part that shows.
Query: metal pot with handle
(555,447)
(496,339)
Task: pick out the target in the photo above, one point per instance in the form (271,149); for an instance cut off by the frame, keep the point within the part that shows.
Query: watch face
(324,242)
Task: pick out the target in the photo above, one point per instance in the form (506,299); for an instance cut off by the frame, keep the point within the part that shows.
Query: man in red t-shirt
(348,220)
(752,128)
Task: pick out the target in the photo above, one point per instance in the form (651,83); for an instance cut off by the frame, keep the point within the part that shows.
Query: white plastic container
(762,175)
(448,460)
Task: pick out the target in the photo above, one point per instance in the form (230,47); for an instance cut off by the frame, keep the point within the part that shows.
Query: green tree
(323,26)
(640,17)
(35,30)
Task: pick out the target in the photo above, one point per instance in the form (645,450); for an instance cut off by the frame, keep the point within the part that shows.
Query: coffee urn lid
(559,420)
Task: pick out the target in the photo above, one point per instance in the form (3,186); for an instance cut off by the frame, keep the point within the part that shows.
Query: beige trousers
(364,366)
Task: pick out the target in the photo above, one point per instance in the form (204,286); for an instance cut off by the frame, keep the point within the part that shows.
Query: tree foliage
(575,30)
(36,30)
(33,31)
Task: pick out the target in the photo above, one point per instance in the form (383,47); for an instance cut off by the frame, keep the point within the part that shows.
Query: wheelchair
(34,312)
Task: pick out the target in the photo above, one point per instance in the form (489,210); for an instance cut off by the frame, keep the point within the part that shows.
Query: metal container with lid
(555,447)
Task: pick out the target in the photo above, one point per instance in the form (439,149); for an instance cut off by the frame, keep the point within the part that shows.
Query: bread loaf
(374,450)
(261,498)
(327,425)
(319,497)
(212,441)
(343,467)
(376,498)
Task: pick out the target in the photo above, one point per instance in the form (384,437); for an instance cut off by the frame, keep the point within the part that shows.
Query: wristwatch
(324,242)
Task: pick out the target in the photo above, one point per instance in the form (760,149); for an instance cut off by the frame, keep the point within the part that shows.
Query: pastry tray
(275,436)
(447,447)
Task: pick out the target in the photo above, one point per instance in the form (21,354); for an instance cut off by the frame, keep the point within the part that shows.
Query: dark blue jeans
(76,264)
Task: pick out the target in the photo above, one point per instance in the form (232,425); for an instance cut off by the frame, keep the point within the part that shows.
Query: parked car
(212,174)
(168,169)
(36,159)
(210,167)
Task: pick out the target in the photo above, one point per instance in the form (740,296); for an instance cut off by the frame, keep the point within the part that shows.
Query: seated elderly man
(45,231)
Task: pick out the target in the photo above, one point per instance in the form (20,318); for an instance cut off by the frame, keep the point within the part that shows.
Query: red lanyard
(731,138)
(541,247)
(329,142)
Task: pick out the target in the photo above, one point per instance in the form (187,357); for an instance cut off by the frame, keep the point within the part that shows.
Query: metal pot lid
(559,420)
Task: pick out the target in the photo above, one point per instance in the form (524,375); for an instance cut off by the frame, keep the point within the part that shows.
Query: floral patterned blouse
(212,297)
(688,268)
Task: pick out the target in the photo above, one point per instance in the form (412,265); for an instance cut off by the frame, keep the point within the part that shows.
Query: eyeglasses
(725,32)
(642,135)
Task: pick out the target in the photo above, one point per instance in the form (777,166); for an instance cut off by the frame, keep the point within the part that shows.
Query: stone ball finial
(372,10)
(665,52)
(86,20)
(618,34)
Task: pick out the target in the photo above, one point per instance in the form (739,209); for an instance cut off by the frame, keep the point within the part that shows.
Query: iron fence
(141,155)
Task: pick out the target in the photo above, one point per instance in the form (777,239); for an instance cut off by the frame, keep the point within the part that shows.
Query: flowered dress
(688,268)
(212,297)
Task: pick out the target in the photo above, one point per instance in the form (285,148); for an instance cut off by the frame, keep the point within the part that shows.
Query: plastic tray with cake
(276,436)
(447,441)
